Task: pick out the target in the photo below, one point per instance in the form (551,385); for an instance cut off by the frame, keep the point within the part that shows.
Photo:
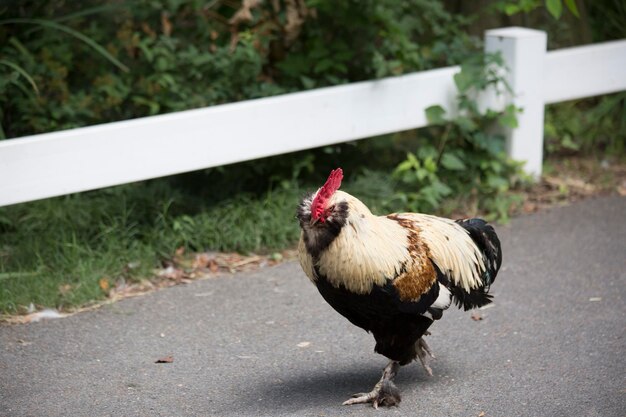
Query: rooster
(393,275)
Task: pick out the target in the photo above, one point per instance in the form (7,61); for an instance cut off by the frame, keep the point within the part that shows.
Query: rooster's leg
(423,351)
(384,393)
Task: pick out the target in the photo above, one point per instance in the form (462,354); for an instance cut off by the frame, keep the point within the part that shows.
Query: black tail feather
(475,298)
(487,241)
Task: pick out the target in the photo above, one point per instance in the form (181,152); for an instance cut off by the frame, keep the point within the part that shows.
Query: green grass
(125,232)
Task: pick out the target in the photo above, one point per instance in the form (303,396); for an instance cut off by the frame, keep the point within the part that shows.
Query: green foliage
(105,62)
(594,125)
(590,126)
(68,62)
(606,19)
(554,7)
(465,154)
(48,24)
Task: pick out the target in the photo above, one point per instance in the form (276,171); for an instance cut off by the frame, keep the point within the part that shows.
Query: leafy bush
(65,68)
(164,68)
(464,155)
(590,126)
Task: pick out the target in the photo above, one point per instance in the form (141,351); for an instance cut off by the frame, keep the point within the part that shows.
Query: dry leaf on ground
(104,284)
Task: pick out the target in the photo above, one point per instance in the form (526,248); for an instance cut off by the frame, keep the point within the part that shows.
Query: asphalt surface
(266,344)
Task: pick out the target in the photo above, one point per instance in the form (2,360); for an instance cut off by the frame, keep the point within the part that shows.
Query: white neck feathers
(369,250)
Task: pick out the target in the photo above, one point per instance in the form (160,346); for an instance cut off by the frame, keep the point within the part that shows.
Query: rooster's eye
(329,212)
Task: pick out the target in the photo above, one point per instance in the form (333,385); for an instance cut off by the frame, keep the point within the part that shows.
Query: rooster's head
(324,213)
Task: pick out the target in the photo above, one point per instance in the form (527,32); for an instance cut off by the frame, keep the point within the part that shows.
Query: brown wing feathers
(419,274)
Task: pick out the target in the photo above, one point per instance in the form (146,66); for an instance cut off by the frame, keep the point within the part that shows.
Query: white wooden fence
(82,159)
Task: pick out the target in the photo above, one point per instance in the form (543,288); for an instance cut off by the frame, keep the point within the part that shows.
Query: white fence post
(524,53)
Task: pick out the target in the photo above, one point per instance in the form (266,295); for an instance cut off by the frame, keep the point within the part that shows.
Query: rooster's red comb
(331,185)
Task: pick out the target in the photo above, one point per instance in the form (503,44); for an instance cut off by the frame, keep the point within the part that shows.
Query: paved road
(265,343)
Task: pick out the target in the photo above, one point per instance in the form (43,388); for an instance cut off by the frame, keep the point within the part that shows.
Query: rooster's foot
(423,351)
(384,393)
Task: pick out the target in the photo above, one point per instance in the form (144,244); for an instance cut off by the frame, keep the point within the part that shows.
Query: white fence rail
(585,71)
(59,163)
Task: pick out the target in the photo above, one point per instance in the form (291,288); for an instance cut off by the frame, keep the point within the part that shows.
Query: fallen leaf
(303,344)
(213,266)
(595,298)
(166,359)
(482,414)
(476,317)
(104,284)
